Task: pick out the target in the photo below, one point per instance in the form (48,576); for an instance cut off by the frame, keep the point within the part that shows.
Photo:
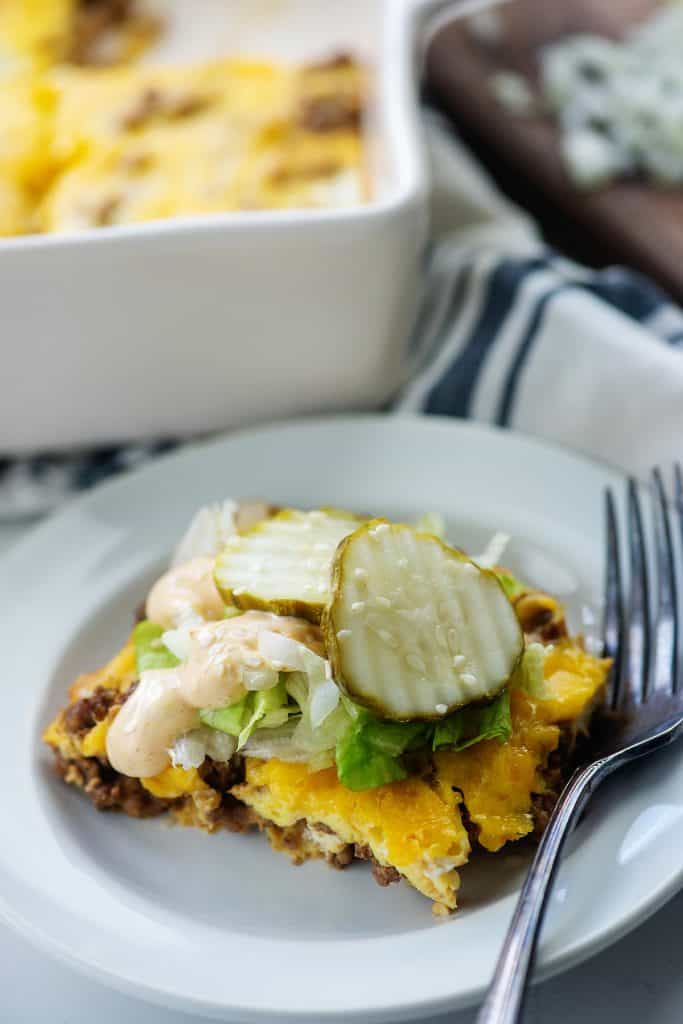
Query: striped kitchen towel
(507,332)
(592,360)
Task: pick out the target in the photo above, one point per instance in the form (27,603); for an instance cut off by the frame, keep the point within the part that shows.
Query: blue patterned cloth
(30,487)
(507,332)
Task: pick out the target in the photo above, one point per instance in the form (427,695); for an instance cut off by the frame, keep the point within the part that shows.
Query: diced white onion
(323,702)
(493,552)
(620,104)
(291,656)
(190,750)
(178,642)
(208,532)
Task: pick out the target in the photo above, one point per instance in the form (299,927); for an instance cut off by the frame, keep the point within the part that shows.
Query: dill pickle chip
(414,629)
(284,564)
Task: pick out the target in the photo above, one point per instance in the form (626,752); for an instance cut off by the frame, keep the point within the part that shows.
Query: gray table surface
(639,979)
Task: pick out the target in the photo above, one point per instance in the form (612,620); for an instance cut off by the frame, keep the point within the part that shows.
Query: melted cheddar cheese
(573,678)
(37,31)
(405,824)
(496,781)
(174,782)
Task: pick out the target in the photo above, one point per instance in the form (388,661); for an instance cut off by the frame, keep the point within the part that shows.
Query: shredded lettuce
(228,719)
(266,744)
(318,694)
(150,650)
(511,585)
(266,709)
(368,752)
(189,750)
(473,724)
(319,739)
(305,697)
(530,675)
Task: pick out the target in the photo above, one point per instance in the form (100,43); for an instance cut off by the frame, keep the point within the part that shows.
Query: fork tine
(678,512)
(637,657)
(665,655)
(678,496)
(613,621)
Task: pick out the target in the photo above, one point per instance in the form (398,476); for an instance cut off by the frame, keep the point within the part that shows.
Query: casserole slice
(259,735)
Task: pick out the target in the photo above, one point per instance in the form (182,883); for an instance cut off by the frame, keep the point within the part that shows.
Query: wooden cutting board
(630,222)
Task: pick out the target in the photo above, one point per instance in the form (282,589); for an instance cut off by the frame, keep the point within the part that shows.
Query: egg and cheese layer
(40,33)
(36,31)
(89,146)
(423,826)
(405,825)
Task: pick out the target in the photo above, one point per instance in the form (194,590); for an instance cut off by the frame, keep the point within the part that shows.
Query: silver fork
(646,711)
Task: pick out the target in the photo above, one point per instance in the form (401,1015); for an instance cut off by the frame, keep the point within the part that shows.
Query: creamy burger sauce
(149,723)
(186,595)
(224,662)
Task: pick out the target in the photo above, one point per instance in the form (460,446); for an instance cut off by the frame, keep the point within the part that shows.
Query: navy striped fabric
(543,345)
(497,339)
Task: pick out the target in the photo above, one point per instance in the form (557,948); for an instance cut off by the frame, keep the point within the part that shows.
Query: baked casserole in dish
(92,146)
(212,213)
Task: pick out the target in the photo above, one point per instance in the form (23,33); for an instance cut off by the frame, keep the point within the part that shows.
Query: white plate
(220,924)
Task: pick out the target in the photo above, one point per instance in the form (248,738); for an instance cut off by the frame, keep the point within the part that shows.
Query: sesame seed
(416,662)
(277,665)
(322,587)
(402,563)
(459,660)
(343,634)
(441,709)
(469,569)
(360,574)
(357,606)
(387,637)
(383,602)
(468,679)
(380,528)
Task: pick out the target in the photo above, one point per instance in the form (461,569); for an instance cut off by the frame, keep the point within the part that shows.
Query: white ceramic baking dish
(195,324)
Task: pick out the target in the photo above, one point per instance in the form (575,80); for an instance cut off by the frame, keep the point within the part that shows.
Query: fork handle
(505,998)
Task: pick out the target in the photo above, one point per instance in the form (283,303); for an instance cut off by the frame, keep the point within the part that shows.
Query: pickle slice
(415,629)
(284,564)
